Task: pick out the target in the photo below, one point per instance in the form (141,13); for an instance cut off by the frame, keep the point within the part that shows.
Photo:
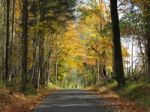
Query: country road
(73,101)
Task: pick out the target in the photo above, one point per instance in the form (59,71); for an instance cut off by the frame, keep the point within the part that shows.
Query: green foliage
(2,84)
(54,13)
(52,86)
(30,90)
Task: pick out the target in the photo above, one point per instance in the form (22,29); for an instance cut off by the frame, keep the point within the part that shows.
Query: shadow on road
(73,101)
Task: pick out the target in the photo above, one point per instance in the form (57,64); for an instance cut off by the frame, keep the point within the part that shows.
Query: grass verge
(134,95)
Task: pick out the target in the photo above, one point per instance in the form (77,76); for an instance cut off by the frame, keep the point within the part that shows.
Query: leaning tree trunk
(117,52)
(24,43)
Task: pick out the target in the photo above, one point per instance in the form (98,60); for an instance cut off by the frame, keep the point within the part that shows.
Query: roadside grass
(133,97)
(136,91)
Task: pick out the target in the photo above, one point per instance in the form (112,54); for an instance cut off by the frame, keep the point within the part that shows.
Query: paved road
(73,101)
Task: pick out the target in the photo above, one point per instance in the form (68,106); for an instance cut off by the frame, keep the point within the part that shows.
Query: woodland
(75,44)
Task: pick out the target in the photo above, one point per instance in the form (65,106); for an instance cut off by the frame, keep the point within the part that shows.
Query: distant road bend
(73,101)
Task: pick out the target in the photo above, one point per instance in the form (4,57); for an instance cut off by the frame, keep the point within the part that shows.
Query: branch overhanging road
(70,100)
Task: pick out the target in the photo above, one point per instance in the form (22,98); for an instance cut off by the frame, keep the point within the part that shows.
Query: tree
(7,41)
(144,6)
(24,43)
(12,38)
(117,52)
(147,36)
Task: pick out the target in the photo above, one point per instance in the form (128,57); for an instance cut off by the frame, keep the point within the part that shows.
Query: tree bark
(56,70)
(148,48)
(12,37)
(24,43)
(41,43)
(147,36)
(7,41)
(117,52)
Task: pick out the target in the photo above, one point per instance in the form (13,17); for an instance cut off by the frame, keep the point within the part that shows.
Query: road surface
(73,101)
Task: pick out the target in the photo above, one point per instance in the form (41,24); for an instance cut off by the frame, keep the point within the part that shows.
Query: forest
(75,44)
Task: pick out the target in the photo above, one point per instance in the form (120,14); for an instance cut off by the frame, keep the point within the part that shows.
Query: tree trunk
(132,59)
(41,58)
(48,65)
(7,42)
(104,72)
(117,52)
(41,43)
(38,79)
(56,70)
(12,38)
(24,43)
(98,72)
(147,35)
(148,58)
(148,49)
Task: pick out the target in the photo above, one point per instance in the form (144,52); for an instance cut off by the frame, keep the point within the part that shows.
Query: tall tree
(24,43)
(12,37)
(7,40)
(117,52)
(146,11)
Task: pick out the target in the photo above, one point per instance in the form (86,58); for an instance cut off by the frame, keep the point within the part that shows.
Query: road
(73,101)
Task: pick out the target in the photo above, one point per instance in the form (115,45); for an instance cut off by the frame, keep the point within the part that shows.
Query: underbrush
(138,91)
(133,97)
